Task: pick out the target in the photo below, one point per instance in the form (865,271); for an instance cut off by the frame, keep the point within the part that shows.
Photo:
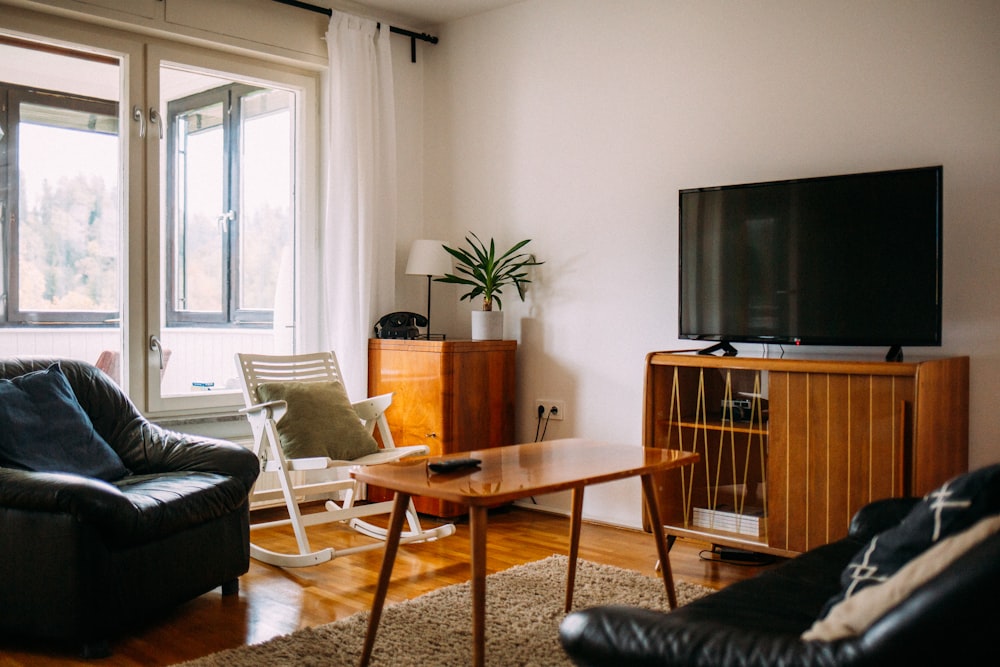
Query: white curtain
(358,232)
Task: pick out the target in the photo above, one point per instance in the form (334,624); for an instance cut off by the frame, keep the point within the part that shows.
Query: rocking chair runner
(260,375)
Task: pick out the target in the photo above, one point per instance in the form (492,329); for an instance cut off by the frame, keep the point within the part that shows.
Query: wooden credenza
(453,396)
(792,448)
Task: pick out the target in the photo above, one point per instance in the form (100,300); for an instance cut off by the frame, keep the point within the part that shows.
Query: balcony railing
(195,359)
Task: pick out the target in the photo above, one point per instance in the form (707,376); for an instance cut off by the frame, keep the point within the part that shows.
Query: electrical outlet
(551,409)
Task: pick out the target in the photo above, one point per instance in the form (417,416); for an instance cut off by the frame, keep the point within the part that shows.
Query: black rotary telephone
(402,324)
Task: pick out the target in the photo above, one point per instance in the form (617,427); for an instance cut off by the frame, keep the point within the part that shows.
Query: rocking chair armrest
(373,406)
(310,463)
(298,465)
(268,410)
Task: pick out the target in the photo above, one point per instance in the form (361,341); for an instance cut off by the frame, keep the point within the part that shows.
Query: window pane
(69,221)
(200,206)
(266,193)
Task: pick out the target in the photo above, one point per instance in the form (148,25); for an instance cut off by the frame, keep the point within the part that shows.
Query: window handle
(154,118)
(224,219)
(137,116)
(156,346)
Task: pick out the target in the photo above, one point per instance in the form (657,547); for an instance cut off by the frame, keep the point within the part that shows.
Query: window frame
(305,200)
(11,314)
(232,312)
(175,108)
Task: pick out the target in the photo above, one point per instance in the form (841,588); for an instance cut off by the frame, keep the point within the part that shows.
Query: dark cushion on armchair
(759,621)
(83,559)
(44,428)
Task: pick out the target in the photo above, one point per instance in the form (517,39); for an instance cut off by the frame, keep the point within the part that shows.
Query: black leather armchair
(759,621)
(83,560)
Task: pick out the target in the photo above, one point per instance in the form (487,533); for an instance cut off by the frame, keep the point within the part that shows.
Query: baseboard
(562,511)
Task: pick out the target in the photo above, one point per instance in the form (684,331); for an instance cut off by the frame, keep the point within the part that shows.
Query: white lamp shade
(428,258)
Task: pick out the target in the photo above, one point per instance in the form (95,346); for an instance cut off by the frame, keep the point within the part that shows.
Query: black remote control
(451,465)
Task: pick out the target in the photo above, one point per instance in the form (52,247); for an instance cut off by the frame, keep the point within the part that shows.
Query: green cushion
(320,421)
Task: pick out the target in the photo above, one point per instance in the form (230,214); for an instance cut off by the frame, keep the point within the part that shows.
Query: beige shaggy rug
(523,611)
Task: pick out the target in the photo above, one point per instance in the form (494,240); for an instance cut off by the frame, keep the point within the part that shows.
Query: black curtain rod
(422,36)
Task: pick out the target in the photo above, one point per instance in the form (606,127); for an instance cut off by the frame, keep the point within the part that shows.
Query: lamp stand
(429,335)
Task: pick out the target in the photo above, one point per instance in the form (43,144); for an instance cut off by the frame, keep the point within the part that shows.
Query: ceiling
(425,12)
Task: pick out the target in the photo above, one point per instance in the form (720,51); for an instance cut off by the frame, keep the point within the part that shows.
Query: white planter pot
(487,324)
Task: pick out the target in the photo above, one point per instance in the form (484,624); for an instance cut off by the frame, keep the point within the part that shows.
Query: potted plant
(484,270)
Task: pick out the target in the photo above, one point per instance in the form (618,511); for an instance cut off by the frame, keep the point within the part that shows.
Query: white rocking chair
(258,369)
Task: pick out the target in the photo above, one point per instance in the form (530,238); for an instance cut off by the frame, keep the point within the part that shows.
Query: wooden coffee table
(507,474)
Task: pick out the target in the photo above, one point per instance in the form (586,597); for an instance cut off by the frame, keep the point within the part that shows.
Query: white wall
(575,122)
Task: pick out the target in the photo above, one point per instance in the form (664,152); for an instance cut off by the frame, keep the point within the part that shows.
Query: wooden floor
(273,601)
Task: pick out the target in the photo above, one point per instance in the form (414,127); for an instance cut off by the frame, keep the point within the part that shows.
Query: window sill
(225,426)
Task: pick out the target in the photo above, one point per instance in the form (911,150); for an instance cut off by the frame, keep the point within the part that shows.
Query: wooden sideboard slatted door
(453,396)
(791,448)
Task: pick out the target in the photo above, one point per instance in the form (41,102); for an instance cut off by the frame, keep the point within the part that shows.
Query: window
(227,216)
(61,208)
(62,213)
(229,203)
(110,147)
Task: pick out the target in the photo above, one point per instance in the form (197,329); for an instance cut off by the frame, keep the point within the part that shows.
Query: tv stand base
(727,349)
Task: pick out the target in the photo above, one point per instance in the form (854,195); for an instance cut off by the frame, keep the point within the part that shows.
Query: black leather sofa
(83,560)
(758,621)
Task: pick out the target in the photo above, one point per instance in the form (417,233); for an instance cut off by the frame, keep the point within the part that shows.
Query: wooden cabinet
(791,448)
(453,396)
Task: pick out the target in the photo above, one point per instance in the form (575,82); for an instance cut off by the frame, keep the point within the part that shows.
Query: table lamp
(428,258)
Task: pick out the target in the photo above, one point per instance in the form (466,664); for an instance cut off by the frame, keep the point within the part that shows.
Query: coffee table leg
(396,520)
(653,510)
(477,539)
(574,544)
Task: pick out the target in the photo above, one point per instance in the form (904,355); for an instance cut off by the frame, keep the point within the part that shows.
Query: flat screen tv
(839,260)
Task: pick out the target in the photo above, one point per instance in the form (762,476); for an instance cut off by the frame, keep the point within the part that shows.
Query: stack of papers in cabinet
(725,517)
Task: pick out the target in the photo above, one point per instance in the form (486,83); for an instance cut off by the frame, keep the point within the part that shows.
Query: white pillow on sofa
(855,614)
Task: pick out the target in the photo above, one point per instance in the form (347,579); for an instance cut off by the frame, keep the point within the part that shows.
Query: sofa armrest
(610,636)
(149,449)
(82,497)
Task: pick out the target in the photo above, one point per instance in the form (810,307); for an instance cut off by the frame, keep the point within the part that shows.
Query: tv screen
(839,260)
